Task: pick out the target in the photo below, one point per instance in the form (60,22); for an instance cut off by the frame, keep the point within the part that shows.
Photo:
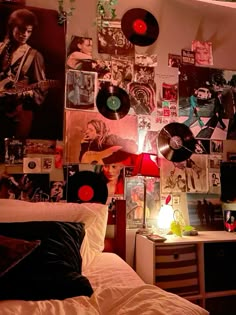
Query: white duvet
(117,291)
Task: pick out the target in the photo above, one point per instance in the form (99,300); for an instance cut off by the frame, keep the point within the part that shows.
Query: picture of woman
(112,174)
(80,53)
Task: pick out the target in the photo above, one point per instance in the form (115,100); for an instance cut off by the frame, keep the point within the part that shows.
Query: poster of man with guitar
(24,86)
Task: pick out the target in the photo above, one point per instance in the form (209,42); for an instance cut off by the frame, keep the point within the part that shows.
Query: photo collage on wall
(115,104)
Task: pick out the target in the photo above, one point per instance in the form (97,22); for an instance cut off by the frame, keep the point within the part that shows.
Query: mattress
(118,290)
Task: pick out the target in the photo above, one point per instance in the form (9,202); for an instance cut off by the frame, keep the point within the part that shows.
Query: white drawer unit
(199,268)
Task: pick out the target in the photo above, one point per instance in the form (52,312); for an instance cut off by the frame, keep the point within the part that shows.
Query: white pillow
(94,216)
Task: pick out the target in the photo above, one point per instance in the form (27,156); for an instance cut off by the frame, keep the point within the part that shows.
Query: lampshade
(146,165)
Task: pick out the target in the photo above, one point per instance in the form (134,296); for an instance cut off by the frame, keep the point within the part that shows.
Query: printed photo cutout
(145,60)
(94,139)
(214,183)
(42,94)
(203,53)
(174,60)
(79,54)
(111,39)
(205,212)
(210,113)
(187,176)
(142,98)
(47,164)
(81,89)
(111,174)
(122,71)
(135,200)
(13,151)
(39,146)
(27,187)
(57,193)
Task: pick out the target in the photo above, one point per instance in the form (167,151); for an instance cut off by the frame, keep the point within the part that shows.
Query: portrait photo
(31,78)
(94,139)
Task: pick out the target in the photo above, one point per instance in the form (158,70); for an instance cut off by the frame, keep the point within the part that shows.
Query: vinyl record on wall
(113,102)
(86,186)
(176,142)
(140,27)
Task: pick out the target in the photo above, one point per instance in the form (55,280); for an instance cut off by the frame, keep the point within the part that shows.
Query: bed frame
(115,240)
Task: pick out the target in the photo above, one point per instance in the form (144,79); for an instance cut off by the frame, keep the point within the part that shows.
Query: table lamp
(147,166)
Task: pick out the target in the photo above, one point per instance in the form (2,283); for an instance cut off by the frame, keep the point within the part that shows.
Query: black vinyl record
(86,186)
(176,142)
(113,102)
(140,27)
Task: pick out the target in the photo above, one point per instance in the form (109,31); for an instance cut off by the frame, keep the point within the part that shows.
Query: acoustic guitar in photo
(9,89)
(96,157)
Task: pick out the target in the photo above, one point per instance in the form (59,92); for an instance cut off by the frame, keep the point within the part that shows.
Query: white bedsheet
(117,291)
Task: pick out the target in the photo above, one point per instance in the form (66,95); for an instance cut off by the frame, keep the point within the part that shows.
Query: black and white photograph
(111,39)
(144,75)
(122,71)
(57,191)
(27,187)
(145,60)
(79,54)
(32,92)
(14,151)
(81,89)
(174,60)
(142,98)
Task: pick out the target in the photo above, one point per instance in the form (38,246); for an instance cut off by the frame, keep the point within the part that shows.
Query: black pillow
(13,250)
(53,270)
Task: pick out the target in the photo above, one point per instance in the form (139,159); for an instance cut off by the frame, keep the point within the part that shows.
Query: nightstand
(198,268)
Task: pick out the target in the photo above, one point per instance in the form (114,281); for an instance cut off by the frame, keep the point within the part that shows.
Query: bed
(88,274)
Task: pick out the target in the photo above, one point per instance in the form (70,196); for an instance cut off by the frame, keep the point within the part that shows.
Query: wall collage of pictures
(114,105)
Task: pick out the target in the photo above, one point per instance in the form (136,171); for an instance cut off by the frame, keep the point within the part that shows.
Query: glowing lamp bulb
(164,219)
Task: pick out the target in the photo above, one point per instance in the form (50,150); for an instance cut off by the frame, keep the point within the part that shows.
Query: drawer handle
(176,256)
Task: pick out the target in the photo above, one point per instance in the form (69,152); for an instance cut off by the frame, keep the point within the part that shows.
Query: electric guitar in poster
(9,89)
